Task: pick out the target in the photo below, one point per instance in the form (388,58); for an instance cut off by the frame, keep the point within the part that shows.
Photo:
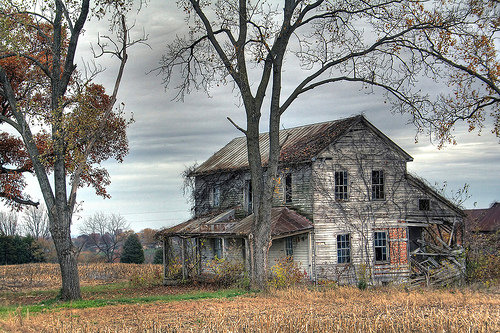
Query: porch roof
(284,222)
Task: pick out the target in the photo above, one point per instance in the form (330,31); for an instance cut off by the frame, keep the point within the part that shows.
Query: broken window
(341,185)
(378,185)
(289,246)
(424,204)
(380,245)
(343,249)
(288,188)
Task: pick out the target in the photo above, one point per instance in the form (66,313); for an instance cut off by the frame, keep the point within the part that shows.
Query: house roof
(484,220)
(284,222)
(299,144)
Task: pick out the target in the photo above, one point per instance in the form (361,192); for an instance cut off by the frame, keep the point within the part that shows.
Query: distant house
(483,220)
(344,205)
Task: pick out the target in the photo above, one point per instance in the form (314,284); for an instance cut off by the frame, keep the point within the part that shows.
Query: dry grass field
(337,309)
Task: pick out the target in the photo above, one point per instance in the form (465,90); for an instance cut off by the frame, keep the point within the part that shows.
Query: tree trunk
(66,255)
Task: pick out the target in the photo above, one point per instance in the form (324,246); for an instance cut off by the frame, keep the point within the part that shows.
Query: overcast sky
(168,136)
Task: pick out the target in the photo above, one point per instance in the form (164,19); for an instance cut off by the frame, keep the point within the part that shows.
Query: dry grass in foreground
(335,310)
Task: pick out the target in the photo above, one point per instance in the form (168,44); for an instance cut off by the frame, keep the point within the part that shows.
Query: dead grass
(47,276)
(298,310)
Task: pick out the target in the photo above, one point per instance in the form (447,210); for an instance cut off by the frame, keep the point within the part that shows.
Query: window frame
(248,196)
(289,246)
(341,190)
(217,248)
(288,193)
(378,185)
(384,247)
(424,207)
(215,196)
(344,248)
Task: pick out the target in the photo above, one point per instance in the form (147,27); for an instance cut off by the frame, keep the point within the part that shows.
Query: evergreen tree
(132,251)
(158,258)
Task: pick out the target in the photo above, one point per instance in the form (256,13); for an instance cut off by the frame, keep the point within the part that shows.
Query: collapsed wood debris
(439,260)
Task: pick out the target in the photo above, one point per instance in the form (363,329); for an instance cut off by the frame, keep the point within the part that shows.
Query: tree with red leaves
(66,124)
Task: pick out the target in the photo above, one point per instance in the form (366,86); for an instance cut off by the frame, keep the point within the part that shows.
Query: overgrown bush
(226,272)
(285,273)
(363,276)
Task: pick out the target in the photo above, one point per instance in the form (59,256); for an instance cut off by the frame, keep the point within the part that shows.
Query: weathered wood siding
(233,251)
(300,252)
(359,152)
(233,191)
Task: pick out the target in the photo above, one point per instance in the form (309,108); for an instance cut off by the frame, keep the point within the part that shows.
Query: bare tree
(36,222)
(382,45)
(106,233)
(8,223)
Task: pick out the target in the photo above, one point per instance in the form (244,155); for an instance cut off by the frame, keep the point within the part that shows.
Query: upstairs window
(343,249)
(378,185)
(341,185)
(288,188)
(248,196)
(215,196)
(380,245)
(289,246)
(424,204)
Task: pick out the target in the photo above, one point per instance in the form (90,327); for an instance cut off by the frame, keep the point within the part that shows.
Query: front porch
(191,249)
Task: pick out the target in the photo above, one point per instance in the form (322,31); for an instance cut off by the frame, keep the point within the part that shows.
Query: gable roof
(299,144)
(284,222)
(484,220)
(424,186)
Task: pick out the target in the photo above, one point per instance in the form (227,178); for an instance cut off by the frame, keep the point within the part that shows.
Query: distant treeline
(19,250)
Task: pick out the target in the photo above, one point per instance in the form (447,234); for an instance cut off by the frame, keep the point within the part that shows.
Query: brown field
(47,276)
(337,309)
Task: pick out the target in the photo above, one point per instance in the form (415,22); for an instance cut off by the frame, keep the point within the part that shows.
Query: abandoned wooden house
(345,208)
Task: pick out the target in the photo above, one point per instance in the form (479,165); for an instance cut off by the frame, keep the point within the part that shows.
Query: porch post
(309,254)
(164,260)
(183,258)
(247,256)
(223,244)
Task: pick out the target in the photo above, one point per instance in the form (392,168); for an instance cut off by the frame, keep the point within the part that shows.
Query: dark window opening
(424,204)
(289,246)
(343,249)
(217,247)
(378,185)
(288,188)
(341,185)
(248,195)
(380,245)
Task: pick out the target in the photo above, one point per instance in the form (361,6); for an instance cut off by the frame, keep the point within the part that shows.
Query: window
(215,196)
(378,185)
(289,246)
(343,249)
(341,185)
(217,247)
(424,204)
(248,195)
(288,188)
(380,245)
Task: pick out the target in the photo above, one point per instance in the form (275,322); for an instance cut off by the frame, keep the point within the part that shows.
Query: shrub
(226,272)
(285,273)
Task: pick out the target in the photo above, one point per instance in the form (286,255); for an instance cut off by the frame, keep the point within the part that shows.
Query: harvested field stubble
(297,310)
(45,276)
